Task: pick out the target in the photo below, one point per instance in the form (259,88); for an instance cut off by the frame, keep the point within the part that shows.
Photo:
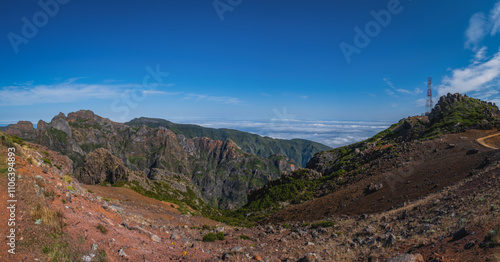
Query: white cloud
(216,99)
(477,30)
(480,26)
(478,76)
(68,91)
(420,102)
(389,82)
(399,90)
(480,55)
(495,19)
(404,91)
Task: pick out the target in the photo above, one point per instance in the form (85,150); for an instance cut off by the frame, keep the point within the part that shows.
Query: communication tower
(428,102)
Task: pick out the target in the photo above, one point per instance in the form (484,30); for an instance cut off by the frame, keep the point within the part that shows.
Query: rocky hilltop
(155,161)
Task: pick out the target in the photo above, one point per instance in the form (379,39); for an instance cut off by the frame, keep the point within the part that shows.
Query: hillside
(299,150)
(362,177)
(155,161)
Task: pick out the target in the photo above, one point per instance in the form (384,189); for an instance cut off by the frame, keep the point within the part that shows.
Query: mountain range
(171,161)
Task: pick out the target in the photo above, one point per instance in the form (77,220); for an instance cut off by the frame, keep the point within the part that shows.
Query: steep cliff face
(219,172)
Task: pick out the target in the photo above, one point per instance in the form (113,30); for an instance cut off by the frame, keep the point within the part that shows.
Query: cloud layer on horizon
(330,133)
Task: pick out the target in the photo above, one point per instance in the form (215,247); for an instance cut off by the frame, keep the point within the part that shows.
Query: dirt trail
(484,143)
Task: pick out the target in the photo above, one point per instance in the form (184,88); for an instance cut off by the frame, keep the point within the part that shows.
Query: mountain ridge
(300,150)
(169,166)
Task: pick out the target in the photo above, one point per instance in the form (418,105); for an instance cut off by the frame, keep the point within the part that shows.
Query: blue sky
(243,60)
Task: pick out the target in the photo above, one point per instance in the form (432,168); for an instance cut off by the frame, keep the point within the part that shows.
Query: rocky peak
(231,150)
(59,122)
(81,115)
(61,115)
(446,102)
(25,125)
(41,124)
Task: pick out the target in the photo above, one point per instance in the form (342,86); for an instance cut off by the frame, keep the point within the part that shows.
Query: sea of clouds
(330,133)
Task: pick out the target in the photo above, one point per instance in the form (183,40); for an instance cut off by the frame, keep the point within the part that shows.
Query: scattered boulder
(177,236)
(237,249)
(155,238)
(369,230)
(87,258)
(390,240)
(372,188)
(406,258)
(469,245)
(309,257)
(472,152)
(227,256)
(461,233)
(403,215)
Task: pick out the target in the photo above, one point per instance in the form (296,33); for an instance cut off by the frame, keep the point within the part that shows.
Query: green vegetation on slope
(340,166)
(305,184)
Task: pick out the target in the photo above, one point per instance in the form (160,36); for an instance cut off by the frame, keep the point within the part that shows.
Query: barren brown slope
(427,168)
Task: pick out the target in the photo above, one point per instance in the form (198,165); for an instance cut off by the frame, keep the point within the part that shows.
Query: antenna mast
(428,103)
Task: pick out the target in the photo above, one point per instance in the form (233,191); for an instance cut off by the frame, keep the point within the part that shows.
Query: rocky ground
(449,215)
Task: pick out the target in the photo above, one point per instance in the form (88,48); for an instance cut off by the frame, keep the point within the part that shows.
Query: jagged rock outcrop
(101,166)
(471,107)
